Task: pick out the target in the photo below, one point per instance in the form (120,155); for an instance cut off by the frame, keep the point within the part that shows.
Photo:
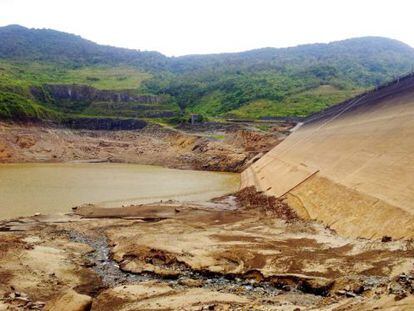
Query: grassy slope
(101,77)
(14,106)
(301,104)
(259,83)
(298,103)
(285,82)
(16,78)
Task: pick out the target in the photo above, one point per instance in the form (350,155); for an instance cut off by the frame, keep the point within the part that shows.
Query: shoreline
(47,188)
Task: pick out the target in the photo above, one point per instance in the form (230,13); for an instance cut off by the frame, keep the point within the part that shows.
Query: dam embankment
(350,166)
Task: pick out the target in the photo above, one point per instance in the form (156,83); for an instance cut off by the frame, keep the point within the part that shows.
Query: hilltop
(268,82)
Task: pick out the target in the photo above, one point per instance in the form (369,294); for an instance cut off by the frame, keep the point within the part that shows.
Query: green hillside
(260,83)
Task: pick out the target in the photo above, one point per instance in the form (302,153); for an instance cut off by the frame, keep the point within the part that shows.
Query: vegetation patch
(17,107)
(259,83)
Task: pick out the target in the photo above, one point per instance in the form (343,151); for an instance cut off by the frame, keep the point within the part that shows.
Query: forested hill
(20,43)
(266,82)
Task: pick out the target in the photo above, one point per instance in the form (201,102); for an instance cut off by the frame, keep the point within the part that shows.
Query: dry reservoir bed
(247,252)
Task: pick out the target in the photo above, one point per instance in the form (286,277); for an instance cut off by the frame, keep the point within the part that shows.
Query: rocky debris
(386,239)
(69,301)
(203,257)
(316,286)
(249,247)
(402,286)
(100,261)
(22,300)
(356,286)
(4,152)
(250,198)
(106,124)
(25,141)
(190,282)
(151,144)
(253,141)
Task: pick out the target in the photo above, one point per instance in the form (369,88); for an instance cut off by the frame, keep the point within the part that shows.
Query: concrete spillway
(350,166)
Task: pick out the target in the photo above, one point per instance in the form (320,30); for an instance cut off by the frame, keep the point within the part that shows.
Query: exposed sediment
(220,255)
(151,145)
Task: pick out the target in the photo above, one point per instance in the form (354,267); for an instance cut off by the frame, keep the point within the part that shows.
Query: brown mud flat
(230,150)
(236,253)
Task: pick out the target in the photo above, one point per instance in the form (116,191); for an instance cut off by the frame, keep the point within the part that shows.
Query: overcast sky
(178,27)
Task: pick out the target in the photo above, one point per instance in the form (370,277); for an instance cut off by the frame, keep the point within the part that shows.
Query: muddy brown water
(26,189)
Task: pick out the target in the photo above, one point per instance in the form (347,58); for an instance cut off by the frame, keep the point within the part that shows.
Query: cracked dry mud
(188,256)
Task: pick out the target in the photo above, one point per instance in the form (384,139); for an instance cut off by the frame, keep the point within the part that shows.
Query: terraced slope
(350,166)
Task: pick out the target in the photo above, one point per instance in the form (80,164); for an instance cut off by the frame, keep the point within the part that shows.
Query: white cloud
(177,27)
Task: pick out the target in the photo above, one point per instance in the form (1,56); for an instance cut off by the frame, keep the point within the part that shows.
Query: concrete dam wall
(350,166)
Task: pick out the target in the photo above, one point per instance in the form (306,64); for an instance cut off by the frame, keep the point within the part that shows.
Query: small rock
(350,294)
(400,296)
(318,286)
(190,282)
(358,290)
(40,303)
(24,295)
(386,239)
(23,299)
(89,264)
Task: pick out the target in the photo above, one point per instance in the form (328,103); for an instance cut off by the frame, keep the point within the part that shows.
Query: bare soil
(221,255)
(230,150)
(248,251)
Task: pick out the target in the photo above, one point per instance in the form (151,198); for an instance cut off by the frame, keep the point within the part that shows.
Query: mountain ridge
(304,45)
(264,82)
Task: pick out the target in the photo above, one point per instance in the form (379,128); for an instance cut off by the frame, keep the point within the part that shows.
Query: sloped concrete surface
(351,166)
